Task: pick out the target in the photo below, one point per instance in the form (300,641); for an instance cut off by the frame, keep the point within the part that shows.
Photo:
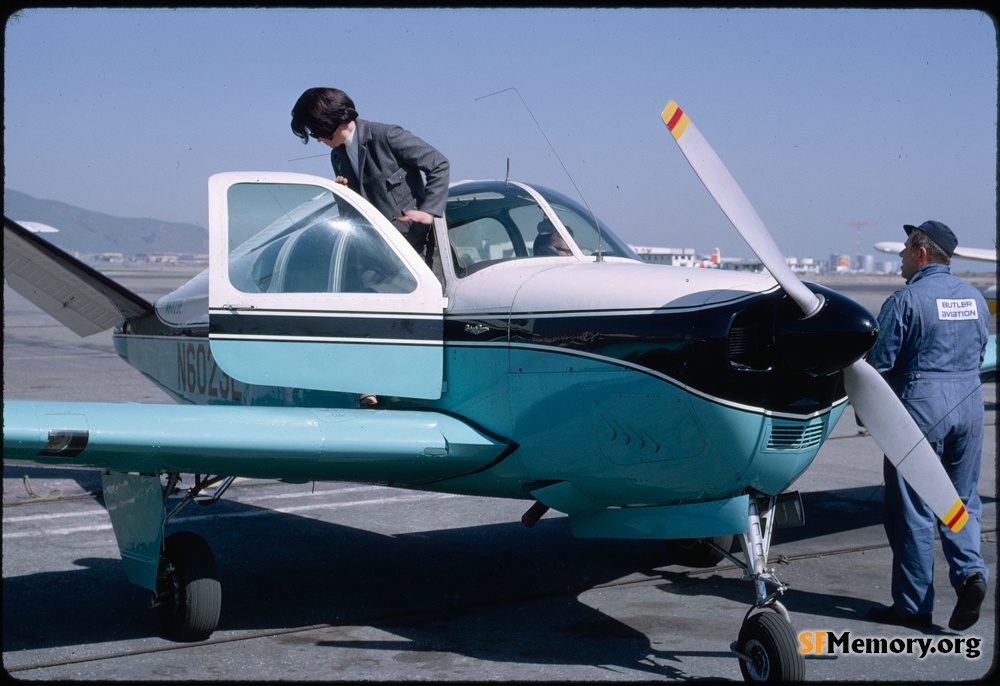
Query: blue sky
(826,118)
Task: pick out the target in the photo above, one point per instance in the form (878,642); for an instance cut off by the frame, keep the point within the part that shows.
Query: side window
(526,218)
(479,241)
(368,265)
(315,242)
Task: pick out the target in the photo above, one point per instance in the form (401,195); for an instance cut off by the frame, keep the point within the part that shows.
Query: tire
(768,640)
(696,552)
(188,593)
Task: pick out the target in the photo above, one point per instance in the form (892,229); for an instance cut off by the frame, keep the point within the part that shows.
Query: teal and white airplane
(641,401)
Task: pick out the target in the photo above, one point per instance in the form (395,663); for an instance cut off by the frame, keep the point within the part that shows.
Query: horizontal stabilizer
(78,296)
(290,443)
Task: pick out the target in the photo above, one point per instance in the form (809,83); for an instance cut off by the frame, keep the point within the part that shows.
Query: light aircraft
(976,254)
(641,401)
(37,227)
(712,262)
(717,261)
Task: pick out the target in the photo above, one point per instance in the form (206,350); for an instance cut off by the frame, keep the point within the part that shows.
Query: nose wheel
(188,596)
(767,647)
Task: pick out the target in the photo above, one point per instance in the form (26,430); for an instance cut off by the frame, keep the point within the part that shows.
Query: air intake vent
(791,435)
(741,345)
(751,341)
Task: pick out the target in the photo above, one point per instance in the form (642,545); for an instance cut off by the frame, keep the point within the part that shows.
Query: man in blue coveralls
(932,337)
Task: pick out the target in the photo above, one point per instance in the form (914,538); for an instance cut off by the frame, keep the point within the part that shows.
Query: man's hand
(418,216)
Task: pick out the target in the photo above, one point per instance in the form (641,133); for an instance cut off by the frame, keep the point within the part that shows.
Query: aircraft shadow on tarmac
(827,514)
(498,592)
(836,511)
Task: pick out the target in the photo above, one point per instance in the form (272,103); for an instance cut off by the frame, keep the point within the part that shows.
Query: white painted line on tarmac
(197,518)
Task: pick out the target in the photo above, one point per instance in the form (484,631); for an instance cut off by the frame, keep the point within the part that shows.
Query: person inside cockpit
(549,243)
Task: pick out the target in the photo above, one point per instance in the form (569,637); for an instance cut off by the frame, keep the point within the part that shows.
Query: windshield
(494,221)
(580,223)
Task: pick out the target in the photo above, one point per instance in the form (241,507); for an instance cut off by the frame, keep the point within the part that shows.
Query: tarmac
(333,581)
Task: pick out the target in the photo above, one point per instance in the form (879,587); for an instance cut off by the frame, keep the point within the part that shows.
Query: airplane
(38,227)
(712,262)
(640,401)
(976,254)
(717,261)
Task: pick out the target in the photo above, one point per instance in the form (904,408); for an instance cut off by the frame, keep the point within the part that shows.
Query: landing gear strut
(767,647)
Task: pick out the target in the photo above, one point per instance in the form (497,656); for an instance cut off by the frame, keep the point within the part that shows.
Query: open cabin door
(311,287)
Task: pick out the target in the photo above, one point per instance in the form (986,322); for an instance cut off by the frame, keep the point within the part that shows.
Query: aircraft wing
(289,443)
(78,296)
(977,254)
(38,227)
(889,247)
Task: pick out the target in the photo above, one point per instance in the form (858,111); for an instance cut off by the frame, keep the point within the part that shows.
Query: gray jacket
(390,162)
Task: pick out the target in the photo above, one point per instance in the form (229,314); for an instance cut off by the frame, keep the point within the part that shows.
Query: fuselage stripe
(272,338)
(298,327)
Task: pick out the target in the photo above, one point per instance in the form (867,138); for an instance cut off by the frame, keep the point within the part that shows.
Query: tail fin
(715,257)
(78,296)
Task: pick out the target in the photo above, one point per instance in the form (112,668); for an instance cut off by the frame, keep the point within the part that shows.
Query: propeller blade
(880,410)
(727,193)
(903,443)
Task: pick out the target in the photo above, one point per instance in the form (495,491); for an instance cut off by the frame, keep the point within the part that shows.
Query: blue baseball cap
(937,232)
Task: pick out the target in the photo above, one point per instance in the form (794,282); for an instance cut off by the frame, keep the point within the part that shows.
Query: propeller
(875,403)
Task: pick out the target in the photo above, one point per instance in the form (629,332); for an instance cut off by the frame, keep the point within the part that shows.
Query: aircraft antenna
(309,157)
(600,249)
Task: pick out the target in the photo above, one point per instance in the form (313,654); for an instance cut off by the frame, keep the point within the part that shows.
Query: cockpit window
(491,222)
(304,239)
(487,223)
(581,224)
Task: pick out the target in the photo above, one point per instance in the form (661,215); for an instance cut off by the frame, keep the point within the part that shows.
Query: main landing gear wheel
(188,595)
(697,552)
(768,650)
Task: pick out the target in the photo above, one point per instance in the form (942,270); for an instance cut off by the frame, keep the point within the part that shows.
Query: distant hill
(83,231)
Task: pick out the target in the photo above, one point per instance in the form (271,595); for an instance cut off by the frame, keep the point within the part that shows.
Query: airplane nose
(827,342)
